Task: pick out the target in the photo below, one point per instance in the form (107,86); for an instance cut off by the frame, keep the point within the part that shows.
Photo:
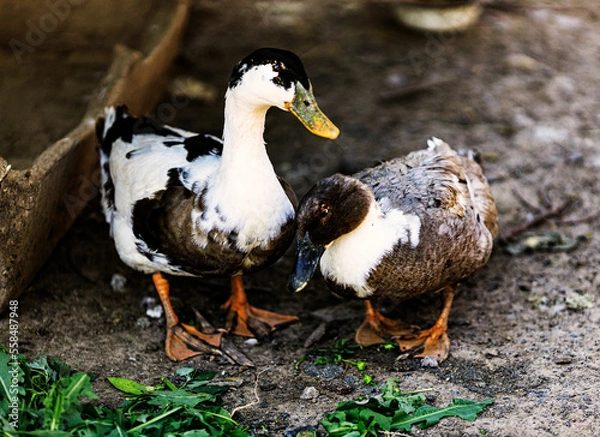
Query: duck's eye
(323,210)
(306,103)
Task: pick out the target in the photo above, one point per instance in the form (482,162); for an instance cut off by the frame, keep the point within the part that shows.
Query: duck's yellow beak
(305,108)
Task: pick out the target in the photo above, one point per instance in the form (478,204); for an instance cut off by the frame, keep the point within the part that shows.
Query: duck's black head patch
(287,64)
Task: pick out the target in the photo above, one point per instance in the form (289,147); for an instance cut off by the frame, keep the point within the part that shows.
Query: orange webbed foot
(433,342)
(376,327)
(248,321)
(185,341)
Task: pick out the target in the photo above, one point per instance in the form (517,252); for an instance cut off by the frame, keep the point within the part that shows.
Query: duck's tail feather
(113,116)
(480,190)
(115,124)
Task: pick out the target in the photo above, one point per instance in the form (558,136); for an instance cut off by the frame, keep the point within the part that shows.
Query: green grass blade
(154,420)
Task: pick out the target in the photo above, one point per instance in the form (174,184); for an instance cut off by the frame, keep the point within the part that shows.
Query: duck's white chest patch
(350,259)
(255,212)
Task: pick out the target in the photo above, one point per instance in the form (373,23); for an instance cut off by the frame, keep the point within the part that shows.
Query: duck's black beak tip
(307,259)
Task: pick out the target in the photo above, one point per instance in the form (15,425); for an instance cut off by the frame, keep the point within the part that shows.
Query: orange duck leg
(184,341)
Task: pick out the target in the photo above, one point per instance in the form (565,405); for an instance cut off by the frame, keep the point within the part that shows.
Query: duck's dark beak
(305,108)
(307,259)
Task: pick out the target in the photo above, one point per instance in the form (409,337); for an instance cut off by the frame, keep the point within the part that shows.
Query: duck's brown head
(333,207)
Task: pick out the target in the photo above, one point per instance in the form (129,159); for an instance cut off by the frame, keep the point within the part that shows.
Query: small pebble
(575,158)
(118,283)
(577,301)
(327,372)
(490,353)
(429,362)
(251,342)
(155,312)
(143,322)
(563,359)
(337,387)
(309,393)
(522,62)
(268,386)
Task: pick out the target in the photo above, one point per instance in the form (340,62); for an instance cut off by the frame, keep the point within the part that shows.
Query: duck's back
(148,168)
(458,219)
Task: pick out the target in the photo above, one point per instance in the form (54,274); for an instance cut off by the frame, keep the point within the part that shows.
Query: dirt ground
(521,87)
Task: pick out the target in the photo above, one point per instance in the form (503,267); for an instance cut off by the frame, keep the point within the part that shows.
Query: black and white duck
(190,204)
(412,225)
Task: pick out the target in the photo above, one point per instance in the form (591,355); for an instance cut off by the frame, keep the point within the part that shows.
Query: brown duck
(412,225)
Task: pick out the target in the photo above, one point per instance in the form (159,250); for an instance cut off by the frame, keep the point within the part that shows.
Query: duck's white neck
(246,190)
(243,133)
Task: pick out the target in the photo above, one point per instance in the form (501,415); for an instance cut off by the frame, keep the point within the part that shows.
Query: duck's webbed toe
(432,342)
(248,321)
(185,341)
(377,328)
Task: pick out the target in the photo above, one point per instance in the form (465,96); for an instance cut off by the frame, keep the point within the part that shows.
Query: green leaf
(46,433)
(62,405)
(79,386)
(41,365)
(187,372)
(427,415)
(383,422)
(54,403)
(117,432)
(196,433)
(53,409)
(178,397)
(394,410)
(128,386)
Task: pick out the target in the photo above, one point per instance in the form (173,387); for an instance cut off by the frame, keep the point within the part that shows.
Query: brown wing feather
(164,223)
(435,178)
